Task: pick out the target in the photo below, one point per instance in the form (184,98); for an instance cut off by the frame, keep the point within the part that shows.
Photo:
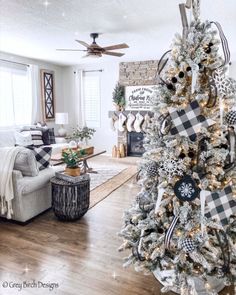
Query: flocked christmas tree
(182,225)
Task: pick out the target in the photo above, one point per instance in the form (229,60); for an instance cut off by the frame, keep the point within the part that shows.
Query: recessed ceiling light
(63,14)
(76,33)
(125,16)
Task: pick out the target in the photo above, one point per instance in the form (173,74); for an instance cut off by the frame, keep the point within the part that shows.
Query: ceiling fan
(94,50)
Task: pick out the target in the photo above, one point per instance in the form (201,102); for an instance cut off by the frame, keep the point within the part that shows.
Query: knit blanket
(7,156)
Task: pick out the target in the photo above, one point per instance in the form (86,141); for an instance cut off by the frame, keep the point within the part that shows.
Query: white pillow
(23,139)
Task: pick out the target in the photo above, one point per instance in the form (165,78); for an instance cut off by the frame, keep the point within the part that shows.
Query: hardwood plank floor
(81,257)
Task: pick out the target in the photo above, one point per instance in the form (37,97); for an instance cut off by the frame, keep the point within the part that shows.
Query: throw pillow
(42,156)
(26,163)
(37,137)
(52,136)
(23,139)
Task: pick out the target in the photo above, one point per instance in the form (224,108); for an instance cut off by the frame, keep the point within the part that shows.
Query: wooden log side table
(70,201)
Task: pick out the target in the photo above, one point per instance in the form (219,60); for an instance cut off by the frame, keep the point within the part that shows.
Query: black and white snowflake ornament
(186,189)
(188,245)
(230,117)
(171,166)
(152,169)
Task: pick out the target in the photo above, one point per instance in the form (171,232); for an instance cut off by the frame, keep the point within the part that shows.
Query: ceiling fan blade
(83,43)
(60,49)
(117,46)
(113,53)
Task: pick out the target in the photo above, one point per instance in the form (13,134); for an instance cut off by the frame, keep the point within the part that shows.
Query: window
(15,100)
(92,103)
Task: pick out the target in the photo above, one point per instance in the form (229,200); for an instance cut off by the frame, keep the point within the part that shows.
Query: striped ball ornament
(230,117)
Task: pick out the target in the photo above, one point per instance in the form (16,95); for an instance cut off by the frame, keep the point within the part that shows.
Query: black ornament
(152,169)
(174,80)
(182,156)
(200,65)
(185,189)
(208,50)
(191,155)
(231,117)
(210,44)
(188,245)
(188,69)
(181,74)
(170,86)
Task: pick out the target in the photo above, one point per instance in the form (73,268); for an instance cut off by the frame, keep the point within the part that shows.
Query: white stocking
(146,123)
(113,121)
(138,122)
(122,119)
(130,121)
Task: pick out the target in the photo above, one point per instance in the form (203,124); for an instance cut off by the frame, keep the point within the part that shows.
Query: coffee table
(57,160)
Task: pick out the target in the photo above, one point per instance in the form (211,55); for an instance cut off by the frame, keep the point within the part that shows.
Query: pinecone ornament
(152,169)
(230,117)
(188,245)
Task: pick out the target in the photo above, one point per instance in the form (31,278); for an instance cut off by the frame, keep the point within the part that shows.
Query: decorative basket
(70,201)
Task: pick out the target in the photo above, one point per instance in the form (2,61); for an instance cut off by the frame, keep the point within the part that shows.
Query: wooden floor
(80,257)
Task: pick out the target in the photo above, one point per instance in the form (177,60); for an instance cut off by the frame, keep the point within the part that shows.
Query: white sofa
(32,194)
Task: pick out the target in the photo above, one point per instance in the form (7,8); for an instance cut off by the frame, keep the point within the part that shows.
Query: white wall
(104,137)
(58,70)
(232,70)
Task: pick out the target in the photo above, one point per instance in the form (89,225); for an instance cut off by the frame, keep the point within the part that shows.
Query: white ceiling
(30,28)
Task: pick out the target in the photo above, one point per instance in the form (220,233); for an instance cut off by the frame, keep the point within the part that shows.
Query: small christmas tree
(118,96)
(182,225)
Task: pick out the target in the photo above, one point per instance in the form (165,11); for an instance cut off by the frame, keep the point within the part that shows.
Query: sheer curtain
(79,98)
(15,97)
(36,110)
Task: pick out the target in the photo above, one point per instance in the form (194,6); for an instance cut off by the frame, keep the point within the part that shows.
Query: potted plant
(71,159)
(118,97)
(82,133)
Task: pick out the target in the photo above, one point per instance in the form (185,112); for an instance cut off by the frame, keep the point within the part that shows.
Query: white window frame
(96,123)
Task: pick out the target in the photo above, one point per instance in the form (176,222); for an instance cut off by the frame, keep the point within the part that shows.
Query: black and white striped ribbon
(224,43)
(170,231)
(161,64)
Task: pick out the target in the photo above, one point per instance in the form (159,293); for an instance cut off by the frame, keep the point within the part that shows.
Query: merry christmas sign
(139,97)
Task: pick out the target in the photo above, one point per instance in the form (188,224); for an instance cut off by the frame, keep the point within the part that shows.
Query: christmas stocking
(147,121)
(113,122)
(138,122)
(130,121)
(122,119)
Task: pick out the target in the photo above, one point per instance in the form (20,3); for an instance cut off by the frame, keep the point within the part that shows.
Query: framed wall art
(139,97)
(47,89)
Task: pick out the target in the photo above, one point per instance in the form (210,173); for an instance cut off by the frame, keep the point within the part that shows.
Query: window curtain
(33,73)
(79,98)
(15,100)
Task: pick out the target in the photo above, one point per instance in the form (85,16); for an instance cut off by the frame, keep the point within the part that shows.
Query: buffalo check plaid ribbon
(188,122)
(221,205)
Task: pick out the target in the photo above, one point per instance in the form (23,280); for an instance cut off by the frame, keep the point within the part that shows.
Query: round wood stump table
(70,201)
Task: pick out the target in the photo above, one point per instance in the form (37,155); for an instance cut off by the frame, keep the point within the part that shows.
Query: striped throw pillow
(37,137)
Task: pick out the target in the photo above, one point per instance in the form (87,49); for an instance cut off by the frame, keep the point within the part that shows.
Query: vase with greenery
(71,159)
(118,97)
(82,134)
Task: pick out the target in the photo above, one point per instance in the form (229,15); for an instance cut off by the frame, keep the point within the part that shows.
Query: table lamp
(61,119)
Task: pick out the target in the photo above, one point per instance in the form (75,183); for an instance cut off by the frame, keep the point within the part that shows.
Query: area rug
(100,192)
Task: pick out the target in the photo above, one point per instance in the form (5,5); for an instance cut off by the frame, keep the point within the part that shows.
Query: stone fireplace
(132,74)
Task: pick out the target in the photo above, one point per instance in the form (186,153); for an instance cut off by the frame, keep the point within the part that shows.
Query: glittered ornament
(152,169)
(230,117)
(188,245)
(185,189)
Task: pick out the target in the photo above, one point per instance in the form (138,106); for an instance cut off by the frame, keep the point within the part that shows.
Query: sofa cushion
(42,155)
(37,137)
(7,138)
(27,185)
(23,139)
(51,136)
(26,163)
